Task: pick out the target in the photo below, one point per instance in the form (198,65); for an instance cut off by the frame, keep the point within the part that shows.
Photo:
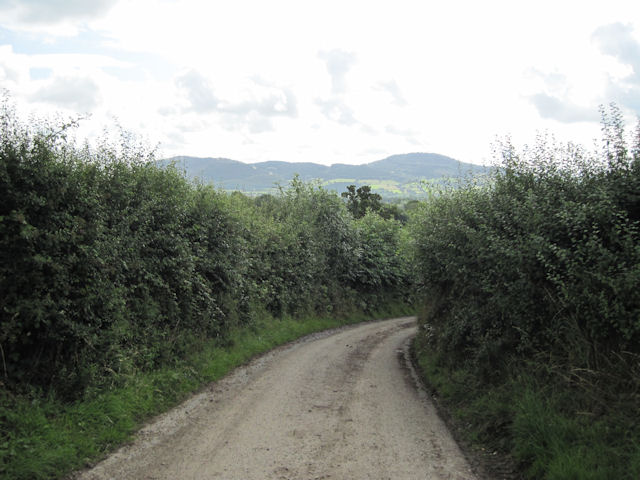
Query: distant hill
(397,175)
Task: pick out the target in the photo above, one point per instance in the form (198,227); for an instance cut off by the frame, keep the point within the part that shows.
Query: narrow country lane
(333,406)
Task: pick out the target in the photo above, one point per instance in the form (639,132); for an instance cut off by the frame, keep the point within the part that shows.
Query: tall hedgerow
(545,258)
(536,276)
(108,263)
(111,265)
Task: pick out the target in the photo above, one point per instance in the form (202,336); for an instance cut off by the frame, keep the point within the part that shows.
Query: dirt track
(340,406)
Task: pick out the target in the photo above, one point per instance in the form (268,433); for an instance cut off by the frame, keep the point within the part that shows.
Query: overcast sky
(325,81)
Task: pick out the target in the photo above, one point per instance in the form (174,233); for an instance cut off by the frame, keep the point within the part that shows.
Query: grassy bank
(533,424)
(48,439)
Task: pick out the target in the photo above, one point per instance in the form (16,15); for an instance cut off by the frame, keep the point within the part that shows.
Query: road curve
(332,406)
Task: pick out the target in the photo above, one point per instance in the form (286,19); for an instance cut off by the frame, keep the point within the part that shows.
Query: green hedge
(537,276)
(110,265)
(546,258)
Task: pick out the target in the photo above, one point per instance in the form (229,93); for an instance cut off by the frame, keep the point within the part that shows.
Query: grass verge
(42,438)
(533,425)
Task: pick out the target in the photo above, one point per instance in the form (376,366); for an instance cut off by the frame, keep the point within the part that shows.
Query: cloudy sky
(330,81)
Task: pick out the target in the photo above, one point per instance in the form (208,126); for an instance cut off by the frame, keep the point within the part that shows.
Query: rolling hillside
(397,175)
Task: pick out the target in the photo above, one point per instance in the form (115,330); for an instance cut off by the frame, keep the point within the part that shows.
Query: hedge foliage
(545,258)
(531,283)
(110,265)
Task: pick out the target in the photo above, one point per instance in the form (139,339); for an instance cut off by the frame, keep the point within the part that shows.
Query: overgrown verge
(116,276)
(50,438)
(530,329)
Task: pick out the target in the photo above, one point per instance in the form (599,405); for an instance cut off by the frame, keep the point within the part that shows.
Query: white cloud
(393,89)
(14,68)
(626,95)
(562,110)
(331,82)
(198,92)
(618,41)
(336,110)
(76,93)
(407,133)
(8,74)
(258,123)
(563,97)
(250,110)
(52,11)
(338,63)
(53,17)
(260,97)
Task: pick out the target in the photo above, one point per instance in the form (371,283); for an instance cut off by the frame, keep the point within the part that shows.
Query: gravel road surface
(339,405)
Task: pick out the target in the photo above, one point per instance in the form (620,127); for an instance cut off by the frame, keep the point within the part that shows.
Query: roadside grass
(539,427)
(42,438)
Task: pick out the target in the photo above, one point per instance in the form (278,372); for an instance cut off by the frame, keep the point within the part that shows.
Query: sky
(326,82)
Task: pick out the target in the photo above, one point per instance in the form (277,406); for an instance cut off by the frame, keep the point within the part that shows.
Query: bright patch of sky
(327,82)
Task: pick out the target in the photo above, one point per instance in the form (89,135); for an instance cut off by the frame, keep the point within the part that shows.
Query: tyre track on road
(331,406)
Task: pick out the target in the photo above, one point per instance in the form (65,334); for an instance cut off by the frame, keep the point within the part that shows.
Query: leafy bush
(111,265)
(536,275)
(103,266)
(545,258)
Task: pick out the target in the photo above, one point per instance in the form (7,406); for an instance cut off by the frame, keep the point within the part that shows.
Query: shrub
(111,265)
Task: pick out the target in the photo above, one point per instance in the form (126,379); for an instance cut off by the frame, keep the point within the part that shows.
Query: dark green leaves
(111,265)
